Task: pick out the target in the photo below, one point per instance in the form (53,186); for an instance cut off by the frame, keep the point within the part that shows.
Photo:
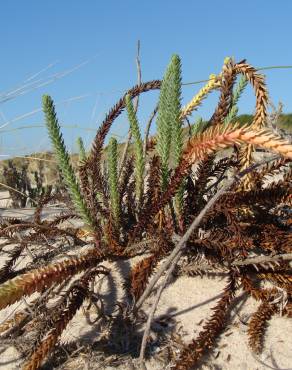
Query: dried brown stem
(227,82)
(175,254)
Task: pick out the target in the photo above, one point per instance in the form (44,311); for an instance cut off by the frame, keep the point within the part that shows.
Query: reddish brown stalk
(262,97)
(260,117)
(192,353)
(141,272)
(175,181)
(226,85)
(38,279)
(67,310)
(258,324)
(283,280)
(115,112)
(260,294)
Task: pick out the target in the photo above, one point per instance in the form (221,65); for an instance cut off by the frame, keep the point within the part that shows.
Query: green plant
(138,144)
(168,116)
(17,179)
(64,160)
(242,232)
(26,187)
(82,153)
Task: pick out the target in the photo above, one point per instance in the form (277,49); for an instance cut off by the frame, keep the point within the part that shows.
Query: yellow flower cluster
(213,83)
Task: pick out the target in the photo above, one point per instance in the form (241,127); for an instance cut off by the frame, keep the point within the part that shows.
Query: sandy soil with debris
(187,302)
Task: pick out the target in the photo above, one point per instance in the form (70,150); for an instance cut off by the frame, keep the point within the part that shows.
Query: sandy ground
(189,301)
(5,200)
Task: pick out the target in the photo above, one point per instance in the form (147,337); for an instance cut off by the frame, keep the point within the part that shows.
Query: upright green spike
(82,153)
(138,149)
(177,129)
(199,126)
(168,114)
(64,160)
(238,90)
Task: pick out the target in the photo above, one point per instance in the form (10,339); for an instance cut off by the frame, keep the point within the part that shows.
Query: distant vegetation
(284,121)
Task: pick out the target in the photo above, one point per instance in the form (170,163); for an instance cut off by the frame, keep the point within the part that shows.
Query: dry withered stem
(177,251)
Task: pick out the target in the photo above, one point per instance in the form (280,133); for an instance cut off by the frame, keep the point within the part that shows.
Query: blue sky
(100,39)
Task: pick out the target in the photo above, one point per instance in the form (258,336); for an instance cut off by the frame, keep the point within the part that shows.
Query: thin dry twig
(19,192)
(263,259)
(151,315)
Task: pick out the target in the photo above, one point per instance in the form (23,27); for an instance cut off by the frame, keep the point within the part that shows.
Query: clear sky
(43,39)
